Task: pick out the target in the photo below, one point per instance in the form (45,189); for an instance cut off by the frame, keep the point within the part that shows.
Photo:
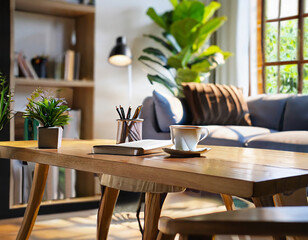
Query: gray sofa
(278,122)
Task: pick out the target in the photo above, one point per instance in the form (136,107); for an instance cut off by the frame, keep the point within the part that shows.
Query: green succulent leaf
(156,18)
(157,53)
(186,75)
(210,10)
(49,111)
(161,41)
(189,9)
(206,30)
(184,31)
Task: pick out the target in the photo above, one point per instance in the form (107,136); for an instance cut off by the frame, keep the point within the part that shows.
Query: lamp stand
(130,84)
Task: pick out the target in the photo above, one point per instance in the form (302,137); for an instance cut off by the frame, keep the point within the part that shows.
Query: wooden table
(251,173)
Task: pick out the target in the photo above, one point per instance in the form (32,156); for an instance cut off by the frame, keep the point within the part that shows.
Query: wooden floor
(82,225)
(76,225)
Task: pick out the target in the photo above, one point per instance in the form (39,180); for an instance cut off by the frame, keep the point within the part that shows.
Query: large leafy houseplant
(186,31)
(5,101)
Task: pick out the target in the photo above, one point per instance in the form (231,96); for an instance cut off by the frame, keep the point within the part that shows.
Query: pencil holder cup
(129,130)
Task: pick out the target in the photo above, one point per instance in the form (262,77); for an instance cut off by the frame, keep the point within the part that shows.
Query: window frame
(300,44)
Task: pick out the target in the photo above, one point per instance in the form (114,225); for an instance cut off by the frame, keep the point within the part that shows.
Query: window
(285,46)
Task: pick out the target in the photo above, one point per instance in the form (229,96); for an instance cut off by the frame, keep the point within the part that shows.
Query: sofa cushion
(235,136)
(169,111)
(216,104)
(296,113)
(267,110)
(295,141)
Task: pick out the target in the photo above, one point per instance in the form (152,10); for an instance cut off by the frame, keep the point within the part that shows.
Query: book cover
(31,69)
(23,71)
(69,62)
(76,65)
(135,148)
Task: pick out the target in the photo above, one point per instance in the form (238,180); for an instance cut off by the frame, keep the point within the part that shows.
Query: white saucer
(181,153)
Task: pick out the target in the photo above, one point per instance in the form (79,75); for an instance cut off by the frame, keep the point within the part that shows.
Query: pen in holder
(129,130)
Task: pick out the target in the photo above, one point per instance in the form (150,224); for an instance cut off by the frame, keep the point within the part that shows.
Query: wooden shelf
(63,201)
(54,7)
(53,83)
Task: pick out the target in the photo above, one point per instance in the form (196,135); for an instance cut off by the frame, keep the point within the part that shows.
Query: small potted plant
(5,101)
(51,113)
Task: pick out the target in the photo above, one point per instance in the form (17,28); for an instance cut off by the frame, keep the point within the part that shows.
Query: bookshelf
(80,19)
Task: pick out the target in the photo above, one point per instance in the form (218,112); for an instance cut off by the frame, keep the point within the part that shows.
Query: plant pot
(50,137)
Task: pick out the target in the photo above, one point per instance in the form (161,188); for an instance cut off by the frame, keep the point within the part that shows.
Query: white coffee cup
(187,137)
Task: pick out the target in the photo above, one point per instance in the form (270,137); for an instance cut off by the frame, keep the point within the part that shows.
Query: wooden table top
(242,172)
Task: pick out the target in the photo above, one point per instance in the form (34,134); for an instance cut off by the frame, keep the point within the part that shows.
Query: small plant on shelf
(52,113)
(48,110)
(5,100)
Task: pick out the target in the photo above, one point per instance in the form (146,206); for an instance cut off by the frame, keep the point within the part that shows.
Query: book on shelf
(25,67)
(23,70)
(71,65)
(135,148)
(69,61)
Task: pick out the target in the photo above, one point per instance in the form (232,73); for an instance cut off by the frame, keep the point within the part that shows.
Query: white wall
(121,18)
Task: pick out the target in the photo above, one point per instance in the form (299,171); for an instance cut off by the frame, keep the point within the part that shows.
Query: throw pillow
(215,104)
(169,111)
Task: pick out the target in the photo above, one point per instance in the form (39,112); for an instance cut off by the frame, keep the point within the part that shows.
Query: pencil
(128,112)
(122,112)
(118,112)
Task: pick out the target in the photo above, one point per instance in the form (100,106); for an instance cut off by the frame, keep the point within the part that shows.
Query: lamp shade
(120,54)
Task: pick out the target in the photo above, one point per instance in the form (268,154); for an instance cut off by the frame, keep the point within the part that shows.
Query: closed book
(69,63)
(135,148)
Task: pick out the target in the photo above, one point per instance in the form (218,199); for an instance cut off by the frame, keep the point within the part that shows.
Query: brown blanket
(216,104)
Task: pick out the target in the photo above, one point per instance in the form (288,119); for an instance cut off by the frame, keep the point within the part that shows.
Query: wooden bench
(272,221)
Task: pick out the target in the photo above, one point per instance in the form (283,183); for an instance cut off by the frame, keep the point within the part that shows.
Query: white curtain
(238,35)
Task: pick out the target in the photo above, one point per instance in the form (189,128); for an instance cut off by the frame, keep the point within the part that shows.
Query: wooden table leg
(35,199)
(153,204)
(228,201)
(104,215)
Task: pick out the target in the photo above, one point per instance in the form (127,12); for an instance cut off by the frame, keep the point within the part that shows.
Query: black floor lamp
(121,56)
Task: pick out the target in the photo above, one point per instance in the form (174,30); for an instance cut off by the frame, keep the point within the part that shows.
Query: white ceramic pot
(50,137)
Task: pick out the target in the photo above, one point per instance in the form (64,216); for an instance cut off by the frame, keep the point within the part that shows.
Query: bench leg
(296,198)
(34,202)
(104,215)
(227,199)
(153,204)
(263,201)
(162,236)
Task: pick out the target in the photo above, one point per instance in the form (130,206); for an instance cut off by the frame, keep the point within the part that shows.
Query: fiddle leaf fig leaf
(156,18)
(181,59)
(202,66)
(206,30)
(189,9)
(174,3)
(186,75)
(210,10)
(157,53)
(184,31)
